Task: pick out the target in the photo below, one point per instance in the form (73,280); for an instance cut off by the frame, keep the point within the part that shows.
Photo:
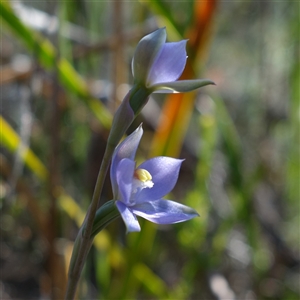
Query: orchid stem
(84,236)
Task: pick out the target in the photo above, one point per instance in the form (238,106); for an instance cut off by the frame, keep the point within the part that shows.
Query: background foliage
(65,67)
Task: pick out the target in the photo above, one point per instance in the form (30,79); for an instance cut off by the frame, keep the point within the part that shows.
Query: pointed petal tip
(132,230)
(207,82)
(139,129)
(160,31)
(192,213)
(137,133)
(164,28)
(129,218)
(164,211)
(157,32)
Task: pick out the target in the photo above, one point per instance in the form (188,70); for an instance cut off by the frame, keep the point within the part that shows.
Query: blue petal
(164,171)
(164,211)
(126,149)
(128,217)
(169,64)
(124,175)
(145,54)
(181,86)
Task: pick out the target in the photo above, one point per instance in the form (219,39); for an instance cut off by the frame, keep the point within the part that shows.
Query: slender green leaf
(10,139)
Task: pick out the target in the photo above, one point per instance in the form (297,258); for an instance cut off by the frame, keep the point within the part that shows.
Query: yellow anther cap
(142,175)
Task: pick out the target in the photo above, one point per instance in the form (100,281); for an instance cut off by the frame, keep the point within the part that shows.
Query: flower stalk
(84,238)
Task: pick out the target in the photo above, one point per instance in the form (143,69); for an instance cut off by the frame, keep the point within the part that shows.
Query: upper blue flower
(157,65)
(139,190)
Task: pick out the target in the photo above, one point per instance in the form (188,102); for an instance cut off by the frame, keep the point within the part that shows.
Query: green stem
(104,215)
(84,240)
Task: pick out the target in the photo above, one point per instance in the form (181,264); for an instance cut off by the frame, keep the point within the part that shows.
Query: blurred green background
(65,67)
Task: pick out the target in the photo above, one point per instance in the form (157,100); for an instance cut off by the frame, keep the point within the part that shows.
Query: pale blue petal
(128,217)
(169,64)
(124,175)
(164,211)
(164,171)
(126,149)
(145,54)
(180,86)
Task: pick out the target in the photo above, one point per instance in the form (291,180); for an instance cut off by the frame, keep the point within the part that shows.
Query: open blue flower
(138,191)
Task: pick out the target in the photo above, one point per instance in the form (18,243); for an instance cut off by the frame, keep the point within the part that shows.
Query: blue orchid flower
(156,67)
(138,191)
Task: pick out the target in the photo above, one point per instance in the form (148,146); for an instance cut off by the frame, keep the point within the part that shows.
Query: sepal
(180,86)
(107,213)
(145,54)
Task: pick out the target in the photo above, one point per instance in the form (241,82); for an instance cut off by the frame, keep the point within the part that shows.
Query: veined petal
(164,171)
(124,175)
(145,54)
(164,211)
(126,149)
(128,217)
(169,64)
(180,86)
